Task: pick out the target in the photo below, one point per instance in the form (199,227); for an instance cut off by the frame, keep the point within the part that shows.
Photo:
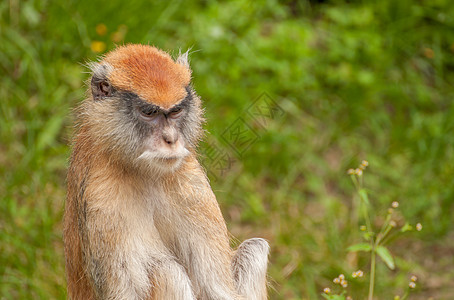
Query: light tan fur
(141,221)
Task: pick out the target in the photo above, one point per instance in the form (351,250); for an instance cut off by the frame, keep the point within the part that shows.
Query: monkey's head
(142,110)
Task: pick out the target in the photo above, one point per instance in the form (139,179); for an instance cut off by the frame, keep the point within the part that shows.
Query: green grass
(358,80)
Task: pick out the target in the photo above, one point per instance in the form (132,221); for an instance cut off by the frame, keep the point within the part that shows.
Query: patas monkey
(141,221)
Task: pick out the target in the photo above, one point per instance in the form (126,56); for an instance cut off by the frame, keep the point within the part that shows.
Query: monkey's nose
(170,136)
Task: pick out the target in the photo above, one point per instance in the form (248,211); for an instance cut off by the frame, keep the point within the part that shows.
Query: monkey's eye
(176,112)
(149,111)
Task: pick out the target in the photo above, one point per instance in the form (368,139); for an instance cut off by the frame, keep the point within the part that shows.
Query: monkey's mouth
(164,156)
(170,159)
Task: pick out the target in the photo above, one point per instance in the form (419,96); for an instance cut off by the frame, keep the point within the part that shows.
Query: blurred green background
(353,80)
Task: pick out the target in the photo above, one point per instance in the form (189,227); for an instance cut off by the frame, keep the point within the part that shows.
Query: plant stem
(366,216)
(405,296)
(372,275)
(383,234)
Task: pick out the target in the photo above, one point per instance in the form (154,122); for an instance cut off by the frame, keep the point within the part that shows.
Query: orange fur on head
(150,73)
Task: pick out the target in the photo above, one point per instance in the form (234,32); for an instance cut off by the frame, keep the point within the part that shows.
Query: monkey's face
(144,117)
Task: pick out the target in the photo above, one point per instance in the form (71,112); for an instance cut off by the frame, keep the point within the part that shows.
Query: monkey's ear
(183,59)
(100,88)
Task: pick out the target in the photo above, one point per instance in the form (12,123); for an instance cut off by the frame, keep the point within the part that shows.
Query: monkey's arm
(202,246)
(201,242)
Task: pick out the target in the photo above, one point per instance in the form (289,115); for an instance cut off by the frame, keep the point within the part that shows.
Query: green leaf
(334,297)
(363,195)
(368,235)
(359,247)
(386,257)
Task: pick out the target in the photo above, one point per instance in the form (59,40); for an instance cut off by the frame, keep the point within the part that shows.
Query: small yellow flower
(341,277)
(101,29)
(344,283)
(413,278)
(359,172)
(362,227)
(349,298)
(98,46)
(419,227)
(336,280)
(412,285)
(395,204)
(350,172)
(327,290)
(358,273)
(364,163)
(397,297)
(392,223)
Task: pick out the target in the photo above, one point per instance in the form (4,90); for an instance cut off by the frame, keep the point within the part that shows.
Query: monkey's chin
(162,162)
